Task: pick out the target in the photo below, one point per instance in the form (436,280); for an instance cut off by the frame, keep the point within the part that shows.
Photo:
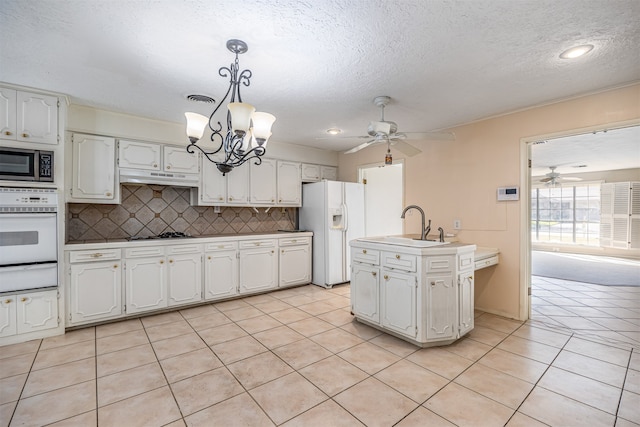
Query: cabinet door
(238,185)
(94,168)
(213,187)
(440,308)
(146,284)
(138,155)
(221,274)
(37,118)
(466,301)
(8,310)
(310,173)
(178,159)
(258,269)
(398,302)
(37,311)
(185,278)
(295,265)
(262,182)
(7,113)
(289,184)
(329,173)
(365,294)
(96,291)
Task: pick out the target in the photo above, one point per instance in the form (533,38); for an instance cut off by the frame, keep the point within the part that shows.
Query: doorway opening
(383,198)
(577,277)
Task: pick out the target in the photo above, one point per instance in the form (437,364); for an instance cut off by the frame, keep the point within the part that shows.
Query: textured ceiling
(318,63)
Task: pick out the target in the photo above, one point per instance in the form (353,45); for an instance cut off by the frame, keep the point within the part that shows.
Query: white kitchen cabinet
(95,286)
(185,274)
(146,279)
(213,185)
(28,312)
(330,173)
(295,261)
(398,302)
(94,177)
(466,301)
(258,265)
(28,117)
(365,291)
(220,270)
(262,182)
(178,159)
(310,172)
(441,308)
(289,183)
(238,185)
(139,155)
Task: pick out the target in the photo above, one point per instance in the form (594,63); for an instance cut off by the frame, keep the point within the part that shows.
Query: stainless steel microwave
(17,164)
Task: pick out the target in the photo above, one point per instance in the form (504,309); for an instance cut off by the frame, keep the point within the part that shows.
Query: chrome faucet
(423,230)
(441,234)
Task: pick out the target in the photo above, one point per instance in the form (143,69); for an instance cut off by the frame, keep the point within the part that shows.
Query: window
(568,214)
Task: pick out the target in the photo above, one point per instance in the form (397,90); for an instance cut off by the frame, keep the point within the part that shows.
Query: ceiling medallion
(247,131)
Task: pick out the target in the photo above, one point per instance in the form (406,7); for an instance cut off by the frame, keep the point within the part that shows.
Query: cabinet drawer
(366,256)
(443,263)
(398,261)
(466,261)
(293,241)
(220,246)
(250,244)
(144,252)
(94,255)
(184,249)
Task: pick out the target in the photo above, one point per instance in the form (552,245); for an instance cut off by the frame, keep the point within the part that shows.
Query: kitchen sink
(404,241)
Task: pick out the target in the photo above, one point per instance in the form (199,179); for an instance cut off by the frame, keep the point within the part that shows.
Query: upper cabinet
(94,177)
(28,117)
(289,183)
(155,157)
(262,182)
(313,173)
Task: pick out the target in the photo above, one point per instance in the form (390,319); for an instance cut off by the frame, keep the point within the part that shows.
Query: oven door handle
(28,215)
(30,267)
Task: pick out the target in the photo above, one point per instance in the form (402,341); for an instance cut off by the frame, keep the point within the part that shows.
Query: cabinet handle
(364,251)
(397,256)
(115,265)
(108,194)
(273,252)
(295,241)
(96,255)
(230,199)
(7,133)
(433,283)
(168,167)
(283,251)
(374,273)
(257,243)
(25,135)
(8,301)
(209,257)
(170,261)
(155,165)
(279,200)
(386,277)
(220,198)
(470,277)
(24,299)
(161,261)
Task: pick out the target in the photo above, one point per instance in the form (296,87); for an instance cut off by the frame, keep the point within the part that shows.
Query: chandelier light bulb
(240,116)
(195,126)
(262,123)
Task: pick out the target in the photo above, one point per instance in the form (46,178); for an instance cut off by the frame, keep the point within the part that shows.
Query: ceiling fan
(385,131)
(554,178)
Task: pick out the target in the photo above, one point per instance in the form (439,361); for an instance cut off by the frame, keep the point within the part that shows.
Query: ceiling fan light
(240,116)
(195,126)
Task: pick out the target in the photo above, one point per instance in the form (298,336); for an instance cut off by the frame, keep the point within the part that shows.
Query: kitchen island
(417,290)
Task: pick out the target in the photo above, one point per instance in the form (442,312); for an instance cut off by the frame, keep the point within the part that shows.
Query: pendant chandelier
(247,131)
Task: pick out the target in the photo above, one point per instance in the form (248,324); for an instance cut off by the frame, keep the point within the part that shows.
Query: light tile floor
(296,358)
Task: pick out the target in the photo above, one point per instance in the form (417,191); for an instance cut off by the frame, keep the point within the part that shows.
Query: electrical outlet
(457,224)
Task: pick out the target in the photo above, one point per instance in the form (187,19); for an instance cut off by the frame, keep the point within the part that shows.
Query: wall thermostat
(508,193)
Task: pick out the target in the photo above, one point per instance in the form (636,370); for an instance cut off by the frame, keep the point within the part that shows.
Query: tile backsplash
(148,210)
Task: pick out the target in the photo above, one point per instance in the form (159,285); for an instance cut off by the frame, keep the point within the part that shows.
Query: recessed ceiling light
(334,131)
(576,51)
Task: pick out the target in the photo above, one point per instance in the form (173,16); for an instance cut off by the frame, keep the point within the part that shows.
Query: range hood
(137,176)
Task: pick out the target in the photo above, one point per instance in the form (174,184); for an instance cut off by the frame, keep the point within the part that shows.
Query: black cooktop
(165,235)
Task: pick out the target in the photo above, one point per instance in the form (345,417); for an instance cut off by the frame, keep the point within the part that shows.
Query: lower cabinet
(220,270)
(295,261)
(185,274)
(96,291)
(146,280)
(258,265)
(365,298)
(441,310)
(466,293)
(398,302)
(28,312)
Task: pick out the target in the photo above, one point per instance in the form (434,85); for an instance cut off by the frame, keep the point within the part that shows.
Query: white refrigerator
(334,211)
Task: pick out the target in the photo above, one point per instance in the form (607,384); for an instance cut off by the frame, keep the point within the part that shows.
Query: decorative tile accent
(148,210)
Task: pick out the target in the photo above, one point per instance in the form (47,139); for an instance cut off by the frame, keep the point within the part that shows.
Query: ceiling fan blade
(407,149)
(570,178)
(359,147)
(431,136)
(320,138)
(546,179)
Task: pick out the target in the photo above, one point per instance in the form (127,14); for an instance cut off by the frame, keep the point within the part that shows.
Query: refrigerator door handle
(345,218)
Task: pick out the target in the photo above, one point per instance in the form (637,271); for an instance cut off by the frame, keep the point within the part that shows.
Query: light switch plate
(457,224)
